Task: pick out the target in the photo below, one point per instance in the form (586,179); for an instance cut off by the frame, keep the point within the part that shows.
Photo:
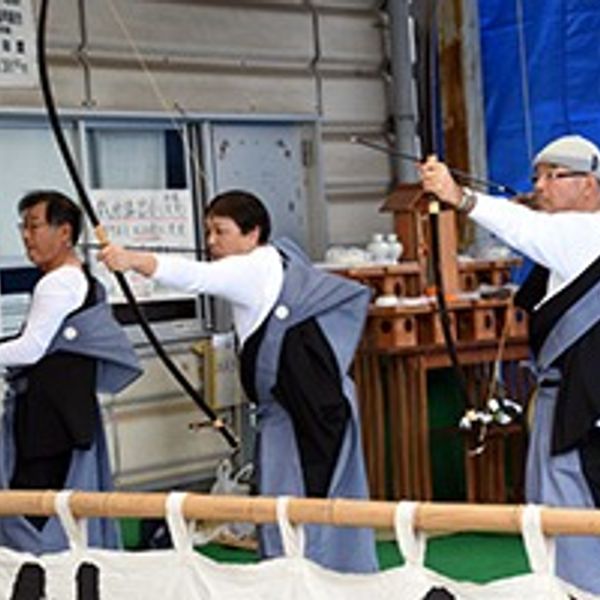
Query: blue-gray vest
(91,332)
(339,306)
(555,464)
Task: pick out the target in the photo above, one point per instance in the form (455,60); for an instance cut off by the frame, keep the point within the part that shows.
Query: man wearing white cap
(562,236)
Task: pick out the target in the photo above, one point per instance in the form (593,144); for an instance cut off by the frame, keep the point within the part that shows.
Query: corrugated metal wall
(324,57)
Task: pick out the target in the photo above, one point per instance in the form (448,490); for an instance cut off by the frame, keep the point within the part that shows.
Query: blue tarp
(561,51)
(541,79)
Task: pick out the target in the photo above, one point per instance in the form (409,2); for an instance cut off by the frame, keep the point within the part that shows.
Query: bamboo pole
(430,516)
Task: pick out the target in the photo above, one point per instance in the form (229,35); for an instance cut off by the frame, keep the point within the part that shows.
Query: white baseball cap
(572,151)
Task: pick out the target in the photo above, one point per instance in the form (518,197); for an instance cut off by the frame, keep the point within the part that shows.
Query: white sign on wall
(17,44)
(152,219)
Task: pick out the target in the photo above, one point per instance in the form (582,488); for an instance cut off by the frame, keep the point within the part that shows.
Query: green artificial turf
(473,557)
(467,556)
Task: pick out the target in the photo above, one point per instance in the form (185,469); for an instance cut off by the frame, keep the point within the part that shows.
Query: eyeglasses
(552,175)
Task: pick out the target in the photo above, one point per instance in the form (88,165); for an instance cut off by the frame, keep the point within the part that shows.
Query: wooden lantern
(409,204)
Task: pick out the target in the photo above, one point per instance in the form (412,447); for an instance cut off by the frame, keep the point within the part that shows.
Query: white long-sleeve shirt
(564,242)
(251,282)
(55,295)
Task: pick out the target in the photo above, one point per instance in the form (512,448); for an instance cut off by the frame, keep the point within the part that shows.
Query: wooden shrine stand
(401,344)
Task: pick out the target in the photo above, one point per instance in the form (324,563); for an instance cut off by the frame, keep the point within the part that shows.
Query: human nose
(25,231)
(211,238)
(540,182)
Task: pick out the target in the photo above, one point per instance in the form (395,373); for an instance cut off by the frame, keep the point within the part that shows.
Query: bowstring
(170,108)
(495,376)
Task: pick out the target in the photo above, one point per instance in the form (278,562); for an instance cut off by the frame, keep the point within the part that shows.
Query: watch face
(468,200)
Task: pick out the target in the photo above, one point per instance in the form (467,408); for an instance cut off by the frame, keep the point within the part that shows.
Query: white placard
(17,44)
(154,219)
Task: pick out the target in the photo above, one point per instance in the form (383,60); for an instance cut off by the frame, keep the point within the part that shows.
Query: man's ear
(65,233)
(594,187)
(591,184)
(255,235)
(591,193)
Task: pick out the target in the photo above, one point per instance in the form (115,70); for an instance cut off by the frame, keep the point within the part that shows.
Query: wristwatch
(468,200)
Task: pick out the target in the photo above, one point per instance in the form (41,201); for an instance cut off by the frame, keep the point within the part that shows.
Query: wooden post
(339,512)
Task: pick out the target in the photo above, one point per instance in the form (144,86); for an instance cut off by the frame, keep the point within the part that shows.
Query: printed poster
(17,44)
(160,221)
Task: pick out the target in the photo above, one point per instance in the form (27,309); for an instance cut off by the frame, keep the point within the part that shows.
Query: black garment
(248,359)
(578,403)
(41,473)
(533,289)
(543,320)
(309,388)
(590,463)
(55,412)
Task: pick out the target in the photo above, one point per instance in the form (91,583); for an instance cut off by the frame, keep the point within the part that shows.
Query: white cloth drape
(182,574)
(542,582)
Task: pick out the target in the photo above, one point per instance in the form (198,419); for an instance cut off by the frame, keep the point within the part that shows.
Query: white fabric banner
(182,574)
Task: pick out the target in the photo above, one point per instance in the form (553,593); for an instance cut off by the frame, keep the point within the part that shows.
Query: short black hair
(60,209)
(245,209)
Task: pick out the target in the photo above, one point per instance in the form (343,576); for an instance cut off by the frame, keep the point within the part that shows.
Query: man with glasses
(562,236)
(69,348)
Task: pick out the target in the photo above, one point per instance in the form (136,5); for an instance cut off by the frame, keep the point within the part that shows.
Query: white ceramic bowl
(386,300)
